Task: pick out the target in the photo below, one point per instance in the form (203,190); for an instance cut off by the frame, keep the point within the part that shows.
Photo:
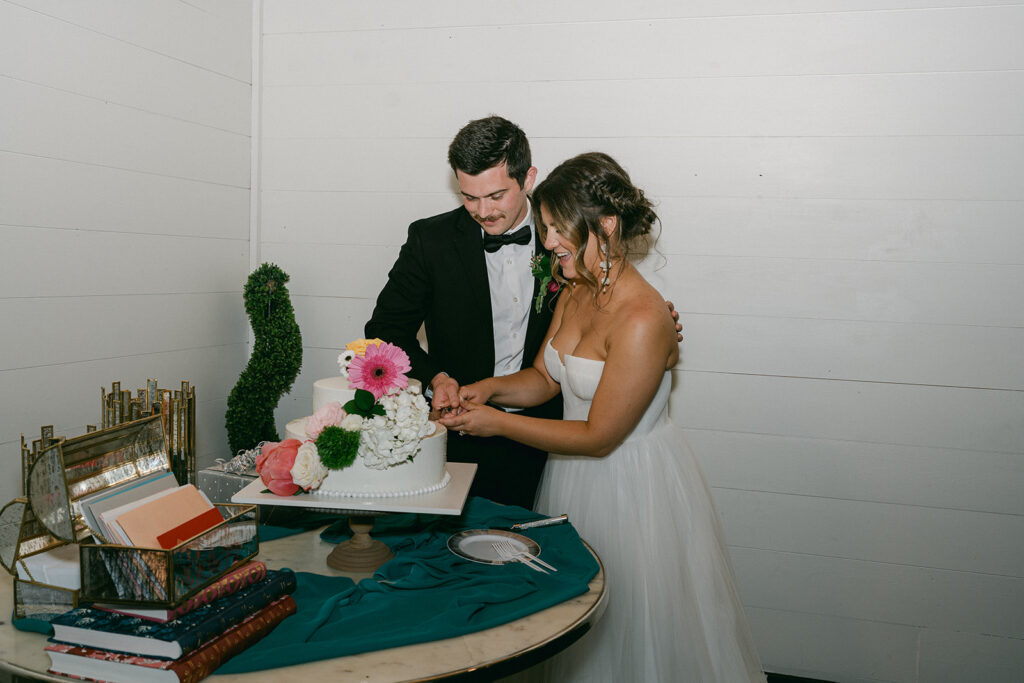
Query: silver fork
(507,551)
(516,552)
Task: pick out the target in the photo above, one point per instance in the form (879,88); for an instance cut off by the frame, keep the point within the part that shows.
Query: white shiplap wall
(124,209)
(840,184)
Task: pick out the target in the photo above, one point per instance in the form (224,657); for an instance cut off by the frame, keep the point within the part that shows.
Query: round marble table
(481,656)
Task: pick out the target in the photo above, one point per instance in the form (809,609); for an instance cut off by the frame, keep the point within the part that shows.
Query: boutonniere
(540,266)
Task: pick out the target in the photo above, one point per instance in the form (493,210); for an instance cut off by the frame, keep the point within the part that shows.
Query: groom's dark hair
(489,142)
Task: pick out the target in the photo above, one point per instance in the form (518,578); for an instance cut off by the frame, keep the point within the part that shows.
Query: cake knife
(549,521)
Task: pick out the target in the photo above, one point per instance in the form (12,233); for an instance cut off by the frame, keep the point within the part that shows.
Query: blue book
(104,630)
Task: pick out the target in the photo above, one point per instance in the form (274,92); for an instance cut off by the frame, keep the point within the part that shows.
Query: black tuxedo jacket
(440,280)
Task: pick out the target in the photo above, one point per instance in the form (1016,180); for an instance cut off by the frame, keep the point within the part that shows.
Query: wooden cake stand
(362,553)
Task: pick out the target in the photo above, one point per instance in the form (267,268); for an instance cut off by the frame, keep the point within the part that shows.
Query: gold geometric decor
(178,410)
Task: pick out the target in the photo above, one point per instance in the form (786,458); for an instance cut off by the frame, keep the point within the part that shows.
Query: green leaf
(364,399)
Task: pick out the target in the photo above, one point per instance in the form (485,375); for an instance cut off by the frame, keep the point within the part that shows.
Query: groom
(465,275)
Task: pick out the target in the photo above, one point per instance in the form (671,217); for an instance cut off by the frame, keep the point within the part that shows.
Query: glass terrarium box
(36,529)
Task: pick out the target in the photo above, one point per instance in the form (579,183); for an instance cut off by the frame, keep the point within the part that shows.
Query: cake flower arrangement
(383,424)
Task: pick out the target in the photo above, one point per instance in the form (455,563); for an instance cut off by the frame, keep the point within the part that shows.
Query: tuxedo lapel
(469,246)
(472,282)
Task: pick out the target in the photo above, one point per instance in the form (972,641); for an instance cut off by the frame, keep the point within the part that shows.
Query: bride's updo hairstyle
(578,192)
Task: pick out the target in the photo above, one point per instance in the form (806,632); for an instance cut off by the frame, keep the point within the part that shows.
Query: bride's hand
(476,419)
(477,392)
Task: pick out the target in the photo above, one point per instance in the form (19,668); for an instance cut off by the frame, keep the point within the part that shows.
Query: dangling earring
(605,267)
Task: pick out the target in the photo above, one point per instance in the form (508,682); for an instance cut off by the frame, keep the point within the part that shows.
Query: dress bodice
(579,378)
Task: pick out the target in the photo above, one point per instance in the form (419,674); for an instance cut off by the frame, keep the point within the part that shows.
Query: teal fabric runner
(425,593)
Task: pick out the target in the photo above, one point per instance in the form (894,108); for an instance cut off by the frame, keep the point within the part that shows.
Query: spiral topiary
(274,364)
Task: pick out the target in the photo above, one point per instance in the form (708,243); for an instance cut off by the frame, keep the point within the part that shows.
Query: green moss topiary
(274,364)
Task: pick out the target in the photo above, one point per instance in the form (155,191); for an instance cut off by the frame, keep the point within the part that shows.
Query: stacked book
(115,643)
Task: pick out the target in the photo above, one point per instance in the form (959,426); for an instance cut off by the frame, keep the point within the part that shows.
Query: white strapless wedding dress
(673,612)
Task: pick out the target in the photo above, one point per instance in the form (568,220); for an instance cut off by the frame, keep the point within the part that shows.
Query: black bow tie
(493,243)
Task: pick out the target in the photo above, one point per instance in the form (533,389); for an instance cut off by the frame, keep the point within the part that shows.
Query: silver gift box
(219,485)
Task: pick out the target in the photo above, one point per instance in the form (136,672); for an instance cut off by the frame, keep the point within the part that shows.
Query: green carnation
(337,447)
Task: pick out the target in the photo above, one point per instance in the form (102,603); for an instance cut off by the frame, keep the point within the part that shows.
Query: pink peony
(275,466)
(329,415)
(265,449)
(382,368)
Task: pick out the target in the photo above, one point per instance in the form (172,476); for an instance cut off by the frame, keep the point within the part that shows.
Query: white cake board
(446,501)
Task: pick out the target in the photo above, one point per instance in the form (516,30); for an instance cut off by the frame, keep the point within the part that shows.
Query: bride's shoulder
(642,306)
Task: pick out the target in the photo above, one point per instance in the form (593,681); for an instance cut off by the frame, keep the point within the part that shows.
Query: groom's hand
(675,318)
(446,394)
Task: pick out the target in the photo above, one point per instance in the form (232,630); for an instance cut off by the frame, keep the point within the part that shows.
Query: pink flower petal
(382,368)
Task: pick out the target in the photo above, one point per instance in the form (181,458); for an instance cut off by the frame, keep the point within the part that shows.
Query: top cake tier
(331,389)
(336,389)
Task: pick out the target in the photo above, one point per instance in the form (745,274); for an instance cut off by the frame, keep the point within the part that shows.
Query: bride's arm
(638,351)
(528,387)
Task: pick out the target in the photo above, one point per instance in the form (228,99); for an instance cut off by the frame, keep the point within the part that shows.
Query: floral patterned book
(133,635)
(233,581)
(102,665)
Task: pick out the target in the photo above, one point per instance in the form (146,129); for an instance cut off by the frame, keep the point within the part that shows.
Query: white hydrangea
(352,423)
(394,437)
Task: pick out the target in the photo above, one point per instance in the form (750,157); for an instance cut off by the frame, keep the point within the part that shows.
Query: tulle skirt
(673,611)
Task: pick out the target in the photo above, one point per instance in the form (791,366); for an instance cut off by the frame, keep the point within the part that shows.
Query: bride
(625,474)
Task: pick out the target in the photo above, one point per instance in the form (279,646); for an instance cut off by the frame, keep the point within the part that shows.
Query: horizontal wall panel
(791,44)
(213,35)
(61,125)
(930,293)
(333,270)
(928,476)
(80,263)
(813,168)
(109,199)
(156,323)
(964,419)
(873,591)
(867,230)
(906,353)
(871,230)
(312,16)
(792,106)
(953,656)
(98,66)
(878,532)
(834,649)
(331,322)
(878,168)
(359,165)
(365,218)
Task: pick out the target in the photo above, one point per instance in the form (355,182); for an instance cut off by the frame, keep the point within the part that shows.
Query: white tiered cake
(422,473)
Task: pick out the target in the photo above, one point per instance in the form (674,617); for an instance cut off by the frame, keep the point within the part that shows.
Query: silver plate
(477,545)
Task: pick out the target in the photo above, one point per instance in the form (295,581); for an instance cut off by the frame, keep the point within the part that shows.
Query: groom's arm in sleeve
(403,304)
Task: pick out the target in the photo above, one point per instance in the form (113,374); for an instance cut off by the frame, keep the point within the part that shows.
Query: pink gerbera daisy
(381,369)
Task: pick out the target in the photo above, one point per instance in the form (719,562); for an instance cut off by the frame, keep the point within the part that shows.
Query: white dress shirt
(511,284)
